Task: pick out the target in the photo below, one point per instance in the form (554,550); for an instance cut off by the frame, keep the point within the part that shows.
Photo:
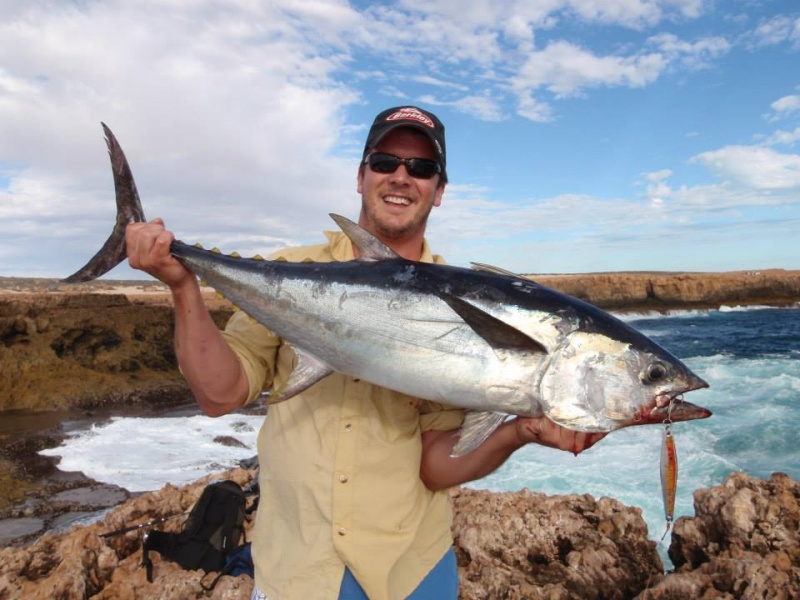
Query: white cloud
(565,69)
(695,55)
(783,137)
(786,105)
(493,40)
(774,31)
(754,167)
(657,176)
(482,107)
(635,13)
(533,109)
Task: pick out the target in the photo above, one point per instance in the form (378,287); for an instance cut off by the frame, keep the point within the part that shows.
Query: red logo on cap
(411,114)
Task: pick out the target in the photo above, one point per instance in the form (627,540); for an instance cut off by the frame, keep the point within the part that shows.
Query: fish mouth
(671,409)
(679,410)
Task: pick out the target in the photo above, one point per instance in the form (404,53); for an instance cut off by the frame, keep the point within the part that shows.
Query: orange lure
(669,474)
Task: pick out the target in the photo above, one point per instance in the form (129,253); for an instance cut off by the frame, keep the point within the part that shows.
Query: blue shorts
(440,584)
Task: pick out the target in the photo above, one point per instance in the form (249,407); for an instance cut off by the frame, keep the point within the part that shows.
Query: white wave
(143,454)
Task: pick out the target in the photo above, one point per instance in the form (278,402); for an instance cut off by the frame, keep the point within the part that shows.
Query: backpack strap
(160,541)
(239,562)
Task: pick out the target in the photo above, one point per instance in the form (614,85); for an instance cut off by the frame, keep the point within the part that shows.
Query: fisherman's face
(395,206)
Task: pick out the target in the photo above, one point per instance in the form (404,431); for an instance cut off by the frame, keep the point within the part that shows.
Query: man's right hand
(148,250)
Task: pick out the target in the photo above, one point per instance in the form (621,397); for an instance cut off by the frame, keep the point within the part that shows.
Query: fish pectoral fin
(476,428)
(369,247)
(306,373)
(496,333)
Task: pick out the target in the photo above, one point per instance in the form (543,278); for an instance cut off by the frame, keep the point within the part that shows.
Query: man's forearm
(439,470)
(210,367)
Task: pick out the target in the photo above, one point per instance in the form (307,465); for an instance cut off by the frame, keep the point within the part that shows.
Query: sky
(582,135)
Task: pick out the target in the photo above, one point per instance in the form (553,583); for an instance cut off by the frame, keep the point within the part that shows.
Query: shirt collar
(342,248)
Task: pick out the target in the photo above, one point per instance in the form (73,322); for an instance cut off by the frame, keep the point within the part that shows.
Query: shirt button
(343,478)
(342,531)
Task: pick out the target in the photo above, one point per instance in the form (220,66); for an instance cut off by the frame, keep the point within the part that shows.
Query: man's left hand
(547,433)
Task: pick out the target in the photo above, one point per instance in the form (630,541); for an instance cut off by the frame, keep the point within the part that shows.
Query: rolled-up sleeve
(257,350)
(435,416)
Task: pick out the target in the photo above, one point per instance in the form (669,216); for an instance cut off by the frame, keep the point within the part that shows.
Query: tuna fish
(489,341)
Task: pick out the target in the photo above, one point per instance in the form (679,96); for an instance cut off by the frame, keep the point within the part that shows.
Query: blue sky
(583,135)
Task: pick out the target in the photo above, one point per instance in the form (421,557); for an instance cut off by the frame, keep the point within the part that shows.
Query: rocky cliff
(64,346)
(658,291)
(743,543)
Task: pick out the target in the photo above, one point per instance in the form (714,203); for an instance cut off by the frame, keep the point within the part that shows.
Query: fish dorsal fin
(306,373)
(370,247)
(498,334)
(496,270)
(476,428)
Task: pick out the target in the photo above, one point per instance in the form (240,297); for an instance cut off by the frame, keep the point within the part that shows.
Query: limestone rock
(67,349)
(521,545)
(80,564)
(661,291)
(743,542)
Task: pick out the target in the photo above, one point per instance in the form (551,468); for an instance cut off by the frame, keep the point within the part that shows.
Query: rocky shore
(743,543)
(81,352)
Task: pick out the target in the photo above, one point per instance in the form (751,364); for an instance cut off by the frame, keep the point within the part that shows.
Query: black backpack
(211,532)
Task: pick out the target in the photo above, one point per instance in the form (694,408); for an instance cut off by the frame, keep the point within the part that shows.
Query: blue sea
(750,356)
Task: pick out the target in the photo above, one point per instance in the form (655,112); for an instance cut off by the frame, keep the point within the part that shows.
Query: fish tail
(129,210)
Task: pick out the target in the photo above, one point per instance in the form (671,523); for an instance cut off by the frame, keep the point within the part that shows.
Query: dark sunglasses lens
(421,168)
(383,163)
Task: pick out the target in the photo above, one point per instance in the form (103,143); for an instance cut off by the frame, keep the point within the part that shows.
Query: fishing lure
(669,473)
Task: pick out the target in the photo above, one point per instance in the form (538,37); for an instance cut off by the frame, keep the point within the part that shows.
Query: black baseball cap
(416,118)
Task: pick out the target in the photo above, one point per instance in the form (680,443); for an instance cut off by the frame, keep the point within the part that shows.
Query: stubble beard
(389,230)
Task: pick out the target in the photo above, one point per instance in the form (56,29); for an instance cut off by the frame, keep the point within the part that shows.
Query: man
(353,477)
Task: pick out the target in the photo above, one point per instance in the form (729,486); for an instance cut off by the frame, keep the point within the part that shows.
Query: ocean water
(750,356)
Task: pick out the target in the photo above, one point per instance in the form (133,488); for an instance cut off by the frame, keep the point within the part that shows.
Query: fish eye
(656,372)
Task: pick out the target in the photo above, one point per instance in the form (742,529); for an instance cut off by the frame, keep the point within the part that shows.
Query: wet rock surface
(742,543)
(529,545)
(35,495)
(80,563)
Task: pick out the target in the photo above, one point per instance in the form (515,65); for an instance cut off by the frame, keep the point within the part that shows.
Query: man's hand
(545,432)
(148,250)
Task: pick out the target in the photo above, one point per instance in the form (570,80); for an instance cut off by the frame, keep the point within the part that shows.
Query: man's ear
(360,178)
(437,197)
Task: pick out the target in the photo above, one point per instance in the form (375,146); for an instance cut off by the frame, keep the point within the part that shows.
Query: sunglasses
(419,168)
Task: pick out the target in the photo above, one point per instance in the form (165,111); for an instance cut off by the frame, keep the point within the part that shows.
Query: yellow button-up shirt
(339,473)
